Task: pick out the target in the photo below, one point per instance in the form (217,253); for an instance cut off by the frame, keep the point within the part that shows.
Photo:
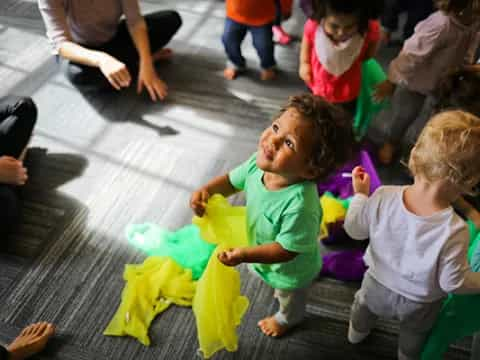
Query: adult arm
(55,19)
(147,75)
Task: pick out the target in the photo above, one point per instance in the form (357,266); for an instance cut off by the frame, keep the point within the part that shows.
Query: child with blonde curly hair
(418,244)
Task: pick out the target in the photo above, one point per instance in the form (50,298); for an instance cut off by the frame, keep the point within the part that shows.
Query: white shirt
(419,257)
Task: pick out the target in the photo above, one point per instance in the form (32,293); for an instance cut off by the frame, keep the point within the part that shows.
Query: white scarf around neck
(337,58)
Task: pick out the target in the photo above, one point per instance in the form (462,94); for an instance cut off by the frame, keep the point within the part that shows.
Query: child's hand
(232,257)
(383,90)
(360,181)
(198,201)
(305,72)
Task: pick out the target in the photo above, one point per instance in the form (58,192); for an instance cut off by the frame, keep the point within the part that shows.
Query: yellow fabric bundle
(218,305)
(333,211)
(151,288)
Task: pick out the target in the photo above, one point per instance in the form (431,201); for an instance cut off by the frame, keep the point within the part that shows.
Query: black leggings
(161,25)
(17,119)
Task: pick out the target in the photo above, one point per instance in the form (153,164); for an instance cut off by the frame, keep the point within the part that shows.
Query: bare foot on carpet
(162,54)
(230,73)
(31,340)
(271,327)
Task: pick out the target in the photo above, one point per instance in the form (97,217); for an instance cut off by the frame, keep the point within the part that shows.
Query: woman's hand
(115,71)
(231,257)
(147,77)
(12,171)
(305,72)
(198,201)
(383,90)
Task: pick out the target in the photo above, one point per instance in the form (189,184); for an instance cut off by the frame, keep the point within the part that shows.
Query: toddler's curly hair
(448,149)
(332,130)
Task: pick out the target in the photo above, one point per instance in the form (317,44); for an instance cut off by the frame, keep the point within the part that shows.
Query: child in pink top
(339,37)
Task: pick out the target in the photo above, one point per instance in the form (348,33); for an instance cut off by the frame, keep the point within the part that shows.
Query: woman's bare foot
(162,54)
(385,154)
(271,327)
(230,73)
(268,74)
(31,341)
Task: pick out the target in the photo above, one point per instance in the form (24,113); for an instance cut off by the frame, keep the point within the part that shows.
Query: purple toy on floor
(344,265)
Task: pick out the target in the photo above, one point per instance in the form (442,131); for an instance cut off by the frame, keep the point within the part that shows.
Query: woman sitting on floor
(103,50)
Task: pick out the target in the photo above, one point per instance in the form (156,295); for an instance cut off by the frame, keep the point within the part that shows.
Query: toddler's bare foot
(385,154)
(31,341)
(162,54)
(271,327)
(268,74)
(230,73)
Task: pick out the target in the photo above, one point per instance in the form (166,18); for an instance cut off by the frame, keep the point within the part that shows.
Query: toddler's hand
(231,257)
(383,90)
(305,72)
(198,202)
(360,181)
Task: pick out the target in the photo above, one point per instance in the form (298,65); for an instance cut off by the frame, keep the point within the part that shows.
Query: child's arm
(468,211)
(271,253)
(356,224)
(305,70)
(219,185)
(372,50)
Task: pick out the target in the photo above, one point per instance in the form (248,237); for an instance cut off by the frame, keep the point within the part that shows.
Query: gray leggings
(408,108)
(292,305)
(374,300)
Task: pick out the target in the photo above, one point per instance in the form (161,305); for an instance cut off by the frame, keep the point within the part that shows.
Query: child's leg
(232,38)
(415,326)
(362,320)
(406,106)
(263,42)
(280,35)
(291,312)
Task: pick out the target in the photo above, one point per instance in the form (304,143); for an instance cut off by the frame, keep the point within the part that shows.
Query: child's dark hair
(364,10)
(332,131)
(453,6)
(459,91)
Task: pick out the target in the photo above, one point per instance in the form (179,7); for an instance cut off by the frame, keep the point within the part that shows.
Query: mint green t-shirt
(291,216)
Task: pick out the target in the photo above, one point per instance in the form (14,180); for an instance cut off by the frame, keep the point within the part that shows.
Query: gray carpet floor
(102,161)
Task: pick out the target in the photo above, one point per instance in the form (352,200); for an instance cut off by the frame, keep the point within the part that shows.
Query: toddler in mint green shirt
(308,140)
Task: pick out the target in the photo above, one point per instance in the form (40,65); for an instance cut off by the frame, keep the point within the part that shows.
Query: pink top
(440,43)
(345,87)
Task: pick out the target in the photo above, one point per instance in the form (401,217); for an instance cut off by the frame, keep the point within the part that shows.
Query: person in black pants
(29,342)
(109,42)
(17,119)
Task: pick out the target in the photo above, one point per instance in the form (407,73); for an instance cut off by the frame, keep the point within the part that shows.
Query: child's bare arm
(305,70)
(218,185)
(271,253)
(372,50)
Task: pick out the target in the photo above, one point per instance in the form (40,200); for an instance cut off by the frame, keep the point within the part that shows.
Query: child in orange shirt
(252,16)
